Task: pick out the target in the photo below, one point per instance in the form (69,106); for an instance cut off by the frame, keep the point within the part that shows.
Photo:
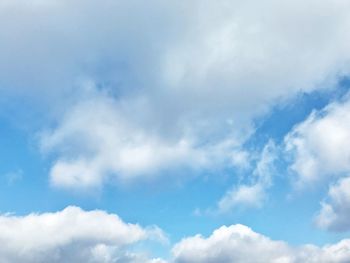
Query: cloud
(319,149)
(320,146)
(189,76)
(246,195)
(238,243)
(335,212)
(71,235)
(252,194)
(75,235)
(98,140)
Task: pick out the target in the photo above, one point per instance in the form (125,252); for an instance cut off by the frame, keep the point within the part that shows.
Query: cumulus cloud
(71,235)
(97,140)
(75,235)
(335,212)
(238,243)
(191,76)
(320,146)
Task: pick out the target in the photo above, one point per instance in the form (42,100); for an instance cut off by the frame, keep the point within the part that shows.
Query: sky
(174,131)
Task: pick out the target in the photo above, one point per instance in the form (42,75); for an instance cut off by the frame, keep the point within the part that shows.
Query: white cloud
(335,212)
(238,243)
(243,195)
(97,140)
(190,76)
(252,194)
(320,146)
(75,235)
(70,235)
(320,151)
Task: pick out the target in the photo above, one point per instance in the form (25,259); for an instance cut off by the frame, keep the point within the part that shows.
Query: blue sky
(178,132)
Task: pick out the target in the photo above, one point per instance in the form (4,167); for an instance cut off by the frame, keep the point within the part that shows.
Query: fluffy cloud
(71,235)
(75,235)
(320,152)
(335,213)
(239,243)
(190,75)
(97,140)
(320,146)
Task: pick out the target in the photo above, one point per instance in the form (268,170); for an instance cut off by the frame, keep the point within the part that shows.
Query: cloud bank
(75,235)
